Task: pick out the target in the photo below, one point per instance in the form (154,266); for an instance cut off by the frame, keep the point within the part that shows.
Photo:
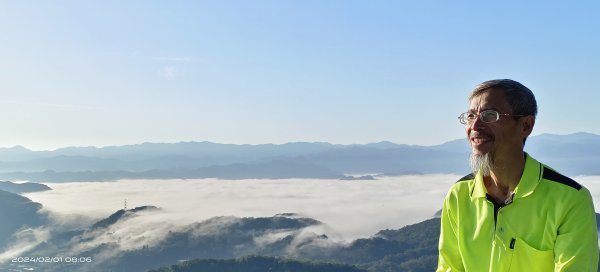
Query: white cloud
(349,209)
(26,239)
(132,233)
(272,237)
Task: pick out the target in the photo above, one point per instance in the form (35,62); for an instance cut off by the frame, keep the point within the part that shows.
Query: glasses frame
(464,119)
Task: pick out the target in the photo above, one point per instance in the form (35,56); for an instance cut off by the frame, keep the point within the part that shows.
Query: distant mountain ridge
(573,154)
(19,188)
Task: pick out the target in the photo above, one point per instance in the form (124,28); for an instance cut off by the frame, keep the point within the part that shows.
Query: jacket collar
(532,173)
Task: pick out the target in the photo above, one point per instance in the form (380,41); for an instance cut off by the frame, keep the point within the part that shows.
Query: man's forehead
(489,99)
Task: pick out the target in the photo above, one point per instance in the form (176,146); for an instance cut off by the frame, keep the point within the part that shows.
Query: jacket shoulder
(551,175)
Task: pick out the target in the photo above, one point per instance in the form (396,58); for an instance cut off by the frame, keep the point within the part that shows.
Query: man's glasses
(486,116)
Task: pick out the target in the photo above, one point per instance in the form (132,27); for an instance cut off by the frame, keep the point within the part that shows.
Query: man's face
(498,138)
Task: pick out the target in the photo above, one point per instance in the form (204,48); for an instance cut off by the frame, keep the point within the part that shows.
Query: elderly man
(513,213)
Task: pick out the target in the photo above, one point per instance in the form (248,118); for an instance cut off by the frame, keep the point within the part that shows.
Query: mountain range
(573,154)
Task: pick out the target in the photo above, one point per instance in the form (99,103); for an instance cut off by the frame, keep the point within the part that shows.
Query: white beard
(484,163)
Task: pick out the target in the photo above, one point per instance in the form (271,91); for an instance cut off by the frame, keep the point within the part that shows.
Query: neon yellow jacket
(550,225)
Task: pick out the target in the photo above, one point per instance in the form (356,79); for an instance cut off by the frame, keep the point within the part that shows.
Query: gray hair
(520,98)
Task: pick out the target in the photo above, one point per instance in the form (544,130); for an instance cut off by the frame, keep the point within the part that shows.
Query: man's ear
(527,123)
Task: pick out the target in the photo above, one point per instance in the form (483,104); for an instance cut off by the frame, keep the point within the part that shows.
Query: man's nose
(477,124)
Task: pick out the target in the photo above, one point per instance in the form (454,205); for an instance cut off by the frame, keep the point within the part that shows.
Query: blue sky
(83,73)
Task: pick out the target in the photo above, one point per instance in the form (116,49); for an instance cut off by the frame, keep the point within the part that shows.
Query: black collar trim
(552,175)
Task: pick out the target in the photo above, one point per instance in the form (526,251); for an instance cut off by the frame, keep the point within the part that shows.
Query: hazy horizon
(265,143)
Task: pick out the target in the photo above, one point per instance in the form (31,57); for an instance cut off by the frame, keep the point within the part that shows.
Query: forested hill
(256,264)
(284,242)
(412,249)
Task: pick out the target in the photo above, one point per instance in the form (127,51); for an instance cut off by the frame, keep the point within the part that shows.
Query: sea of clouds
(348,209)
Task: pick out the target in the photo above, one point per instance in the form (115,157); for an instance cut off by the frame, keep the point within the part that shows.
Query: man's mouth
(481,138)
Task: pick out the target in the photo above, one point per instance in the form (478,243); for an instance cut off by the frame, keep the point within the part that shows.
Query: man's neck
(504,179)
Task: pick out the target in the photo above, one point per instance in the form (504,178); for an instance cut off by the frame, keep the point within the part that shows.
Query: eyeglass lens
(489,116)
